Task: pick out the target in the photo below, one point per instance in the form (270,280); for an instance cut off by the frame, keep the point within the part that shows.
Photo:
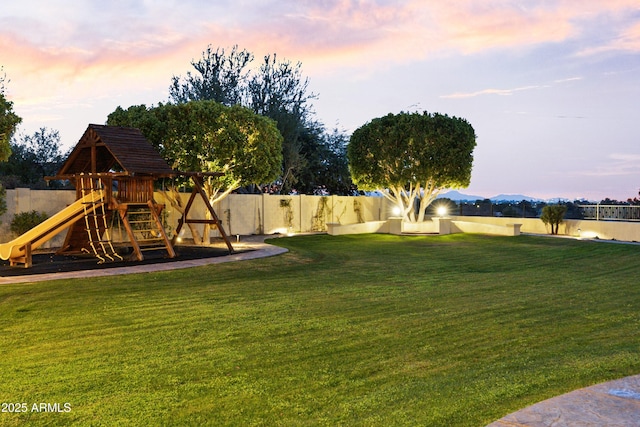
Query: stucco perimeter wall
(25,200)
(269,214)
(606,230)
(368,227)
(241,214)
(529,225)
(246,214)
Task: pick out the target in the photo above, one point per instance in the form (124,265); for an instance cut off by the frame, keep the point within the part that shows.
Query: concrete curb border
(259,249)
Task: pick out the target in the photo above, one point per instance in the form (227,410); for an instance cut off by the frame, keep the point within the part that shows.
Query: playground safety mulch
(49,262)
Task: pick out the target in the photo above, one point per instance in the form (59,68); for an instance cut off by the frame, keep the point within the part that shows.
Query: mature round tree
(206,136)
(412,155)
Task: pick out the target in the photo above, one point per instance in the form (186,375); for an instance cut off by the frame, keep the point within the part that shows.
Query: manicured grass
(356,330)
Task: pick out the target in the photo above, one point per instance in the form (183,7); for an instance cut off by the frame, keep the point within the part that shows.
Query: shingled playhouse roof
(113,148)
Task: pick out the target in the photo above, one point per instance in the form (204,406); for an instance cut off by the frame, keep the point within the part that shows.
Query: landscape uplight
(587,234)
(441,210)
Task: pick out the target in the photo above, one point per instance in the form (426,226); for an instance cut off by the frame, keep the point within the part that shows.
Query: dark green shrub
(553,215)
(510,211)
(25,221)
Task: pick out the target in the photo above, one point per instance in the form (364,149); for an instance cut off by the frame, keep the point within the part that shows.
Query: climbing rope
(88,187)
(85,185)
(107,237)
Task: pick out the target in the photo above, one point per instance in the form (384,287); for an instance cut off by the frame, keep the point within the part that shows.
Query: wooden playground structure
(114,170)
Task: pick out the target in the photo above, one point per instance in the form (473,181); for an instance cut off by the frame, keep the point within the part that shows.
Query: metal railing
(611,212)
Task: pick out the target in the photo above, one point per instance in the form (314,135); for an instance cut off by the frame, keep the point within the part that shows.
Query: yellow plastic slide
(49,228)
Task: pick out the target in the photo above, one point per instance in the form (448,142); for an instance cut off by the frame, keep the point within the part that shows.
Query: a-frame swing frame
(198,189)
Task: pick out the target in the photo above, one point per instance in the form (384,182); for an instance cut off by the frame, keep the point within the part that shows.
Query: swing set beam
(198,190)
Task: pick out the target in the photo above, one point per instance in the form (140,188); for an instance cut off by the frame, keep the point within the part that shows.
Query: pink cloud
(133,47)
(348,32)
(378,32)
(478,29)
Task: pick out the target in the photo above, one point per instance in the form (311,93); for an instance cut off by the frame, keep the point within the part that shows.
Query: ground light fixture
(441,210)
(587,234)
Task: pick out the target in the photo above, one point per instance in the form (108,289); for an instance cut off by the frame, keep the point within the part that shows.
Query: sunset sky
(552,88)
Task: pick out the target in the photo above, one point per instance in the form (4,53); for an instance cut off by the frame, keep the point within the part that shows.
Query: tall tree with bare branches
(9,121)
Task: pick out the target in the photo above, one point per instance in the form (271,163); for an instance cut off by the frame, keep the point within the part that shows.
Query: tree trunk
(403,199)
(428,196)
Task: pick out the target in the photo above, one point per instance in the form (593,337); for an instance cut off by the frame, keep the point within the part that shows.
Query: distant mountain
(458,196)
(513,198)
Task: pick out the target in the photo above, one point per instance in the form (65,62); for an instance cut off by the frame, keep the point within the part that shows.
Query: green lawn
(370,330)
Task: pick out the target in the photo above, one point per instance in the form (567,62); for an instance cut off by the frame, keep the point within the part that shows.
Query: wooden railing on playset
(123,188)
(134,190)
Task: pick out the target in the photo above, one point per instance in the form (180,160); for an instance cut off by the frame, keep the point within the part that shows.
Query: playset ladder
(149,229)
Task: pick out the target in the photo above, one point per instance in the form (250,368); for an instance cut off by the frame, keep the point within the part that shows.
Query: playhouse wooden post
(134,243)
(198,185)
(199,190)
(183,218)
(156,218)
(26,259)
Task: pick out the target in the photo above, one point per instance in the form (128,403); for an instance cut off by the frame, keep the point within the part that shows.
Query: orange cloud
(377,33)
(50,56)
(345,32)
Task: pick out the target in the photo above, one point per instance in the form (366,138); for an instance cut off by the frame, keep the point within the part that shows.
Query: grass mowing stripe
(350,330)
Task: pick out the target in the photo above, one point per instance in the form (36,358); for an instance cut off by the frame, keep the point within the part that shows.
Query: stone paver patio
(611,404)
